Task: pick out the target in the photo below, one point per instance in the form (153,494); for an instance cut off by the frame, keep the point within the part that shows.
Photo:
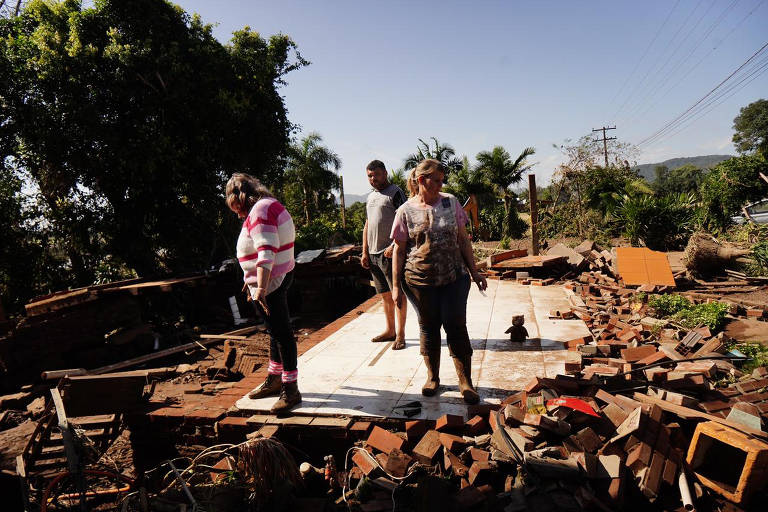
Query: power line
(645,53)
(668,125)
(756,74)
(748,74)
(745,79)
(659,77)
(639,85)
(639,112)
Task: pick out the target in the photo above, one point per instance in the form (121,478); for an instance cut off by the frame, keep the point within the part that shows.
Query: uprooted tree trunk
(705,255)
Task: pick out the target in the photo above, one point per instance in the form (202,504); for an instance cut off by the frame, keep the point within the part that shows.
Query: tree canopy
(444,153)
(311,169)
(751,128)
(127,117)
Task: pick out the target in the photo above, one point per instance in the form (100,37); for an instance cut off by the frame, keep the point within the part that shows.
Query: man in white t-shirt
(380,208)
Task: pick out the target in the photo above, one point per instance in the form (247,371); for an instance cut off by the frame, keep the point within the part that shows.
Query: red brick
(478,454)
(476,426)
(414,430)
(480,471)
(397,463)
(449,423)
(384,441)
(427,449)
(360,429)
(452,462)
(452,443)
(632,355)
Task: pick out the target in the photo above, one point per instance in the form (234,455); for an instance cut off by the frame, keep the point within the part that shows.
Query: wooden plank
(151,357)
(686,412)
(222,337)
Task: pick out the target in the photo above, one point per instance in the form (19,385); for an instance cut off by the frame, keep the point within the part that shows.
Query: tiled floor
(348,375)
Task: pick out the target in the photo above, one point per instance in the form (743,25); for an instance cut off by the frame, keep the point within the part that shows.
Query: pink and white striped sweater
(266,240)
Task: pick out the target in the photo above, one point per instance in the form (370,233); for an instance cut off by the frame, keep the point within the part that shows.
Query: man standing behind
(380,208)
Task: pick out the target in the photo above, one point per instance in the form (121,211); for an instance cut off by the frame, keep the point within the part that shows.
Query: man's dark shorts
(381,271)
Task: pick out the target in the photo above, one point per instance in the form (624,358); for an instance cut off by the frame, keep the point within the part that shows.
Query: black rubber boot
(289,396)
(270,387)
(432,361)
(464,371)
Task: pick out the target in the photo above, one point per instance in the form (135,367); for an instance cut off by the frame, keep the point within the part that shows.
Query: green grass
(687,314)
(757,353)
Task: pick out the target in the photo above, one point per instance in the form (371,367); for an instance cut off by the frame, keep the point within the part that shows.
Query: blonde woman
(431,257)
(265,253)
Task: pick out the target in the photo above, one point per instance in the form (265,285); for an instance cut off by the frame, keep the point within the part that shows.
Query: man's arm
(365,260)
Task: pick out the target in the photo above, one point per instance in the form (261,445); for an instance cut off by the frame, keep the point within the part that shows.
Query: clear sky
(511,73)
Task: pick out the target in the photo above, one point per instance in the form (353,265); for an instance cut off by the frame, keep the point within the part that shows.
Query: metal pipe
(685,491)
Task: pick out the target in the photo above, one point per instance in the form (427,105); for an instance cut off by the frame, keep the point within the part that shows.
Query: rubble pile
(648,412)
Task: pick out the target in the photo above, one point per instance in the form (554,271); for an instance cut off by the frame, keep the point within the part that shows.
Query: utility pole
(605,140)
(341,202)
(534,204)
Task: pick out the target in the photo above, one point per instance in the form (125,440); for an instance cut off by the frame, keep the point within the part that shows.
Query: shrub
(659,223)
(668,304)
(680,309)
(728,187)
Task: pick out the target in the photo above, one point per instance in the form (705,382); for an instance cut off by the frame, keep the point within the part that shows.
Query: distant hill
(702,162)
(350,199)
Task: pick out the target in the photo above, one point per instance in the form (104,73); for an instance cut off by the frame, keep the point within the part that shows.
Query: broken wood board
(747,330)
(640,265)
(532,261)
(493,259)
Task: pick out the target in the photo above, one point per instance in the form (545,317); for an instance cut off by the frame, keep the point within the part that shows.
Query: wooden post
(341,202)
(532,199)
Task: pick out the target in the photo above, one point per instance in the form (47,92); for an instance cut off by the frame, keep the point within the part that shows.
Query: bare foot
(399,344)
(384,337)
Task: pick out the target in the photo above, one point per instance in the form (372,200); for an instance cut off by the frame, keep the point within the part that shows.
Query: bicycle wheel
(102,490)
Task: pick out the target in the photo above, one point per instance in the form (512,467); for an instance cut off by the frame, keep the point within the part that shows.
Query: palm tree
(398,178)
(312,167)
(468,182)
(502,172)
(441,152)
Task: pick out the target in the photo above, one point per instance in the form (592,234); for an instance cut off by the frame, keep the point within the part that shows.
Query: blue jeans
(442,306)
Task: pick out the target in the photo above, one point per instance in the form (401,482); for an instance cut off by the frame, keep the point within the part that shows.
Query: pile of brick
(569,443)
(645,412)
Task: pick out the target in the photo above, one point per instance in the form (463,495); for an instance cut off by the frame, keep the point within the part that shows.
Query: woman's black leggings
(282,345)
(442,306)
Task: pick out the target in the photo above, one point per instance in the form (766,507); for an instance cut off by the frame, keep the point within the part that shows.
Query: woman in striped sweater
(265,252)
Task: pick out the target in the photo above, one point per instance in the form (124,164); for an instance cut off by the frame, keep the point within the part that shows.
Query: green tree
(685,179)
(397,177)
(129,116)
(583,190)
(468,182)
(441,152)
(729,186)
(502,172)
(751,128)
(311,167)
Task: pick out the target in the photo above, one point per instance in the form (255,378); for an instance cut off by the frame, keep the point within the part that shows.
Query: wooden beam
(222,337)
(151,357)
(686,412)
(533,200)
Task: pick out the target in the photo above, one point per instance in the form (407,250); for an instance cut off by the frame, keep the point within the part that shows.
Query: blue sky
(516,74)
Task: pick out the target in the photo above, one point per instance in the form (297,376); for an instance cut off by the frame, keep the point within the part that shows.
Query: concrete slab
(347,375)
